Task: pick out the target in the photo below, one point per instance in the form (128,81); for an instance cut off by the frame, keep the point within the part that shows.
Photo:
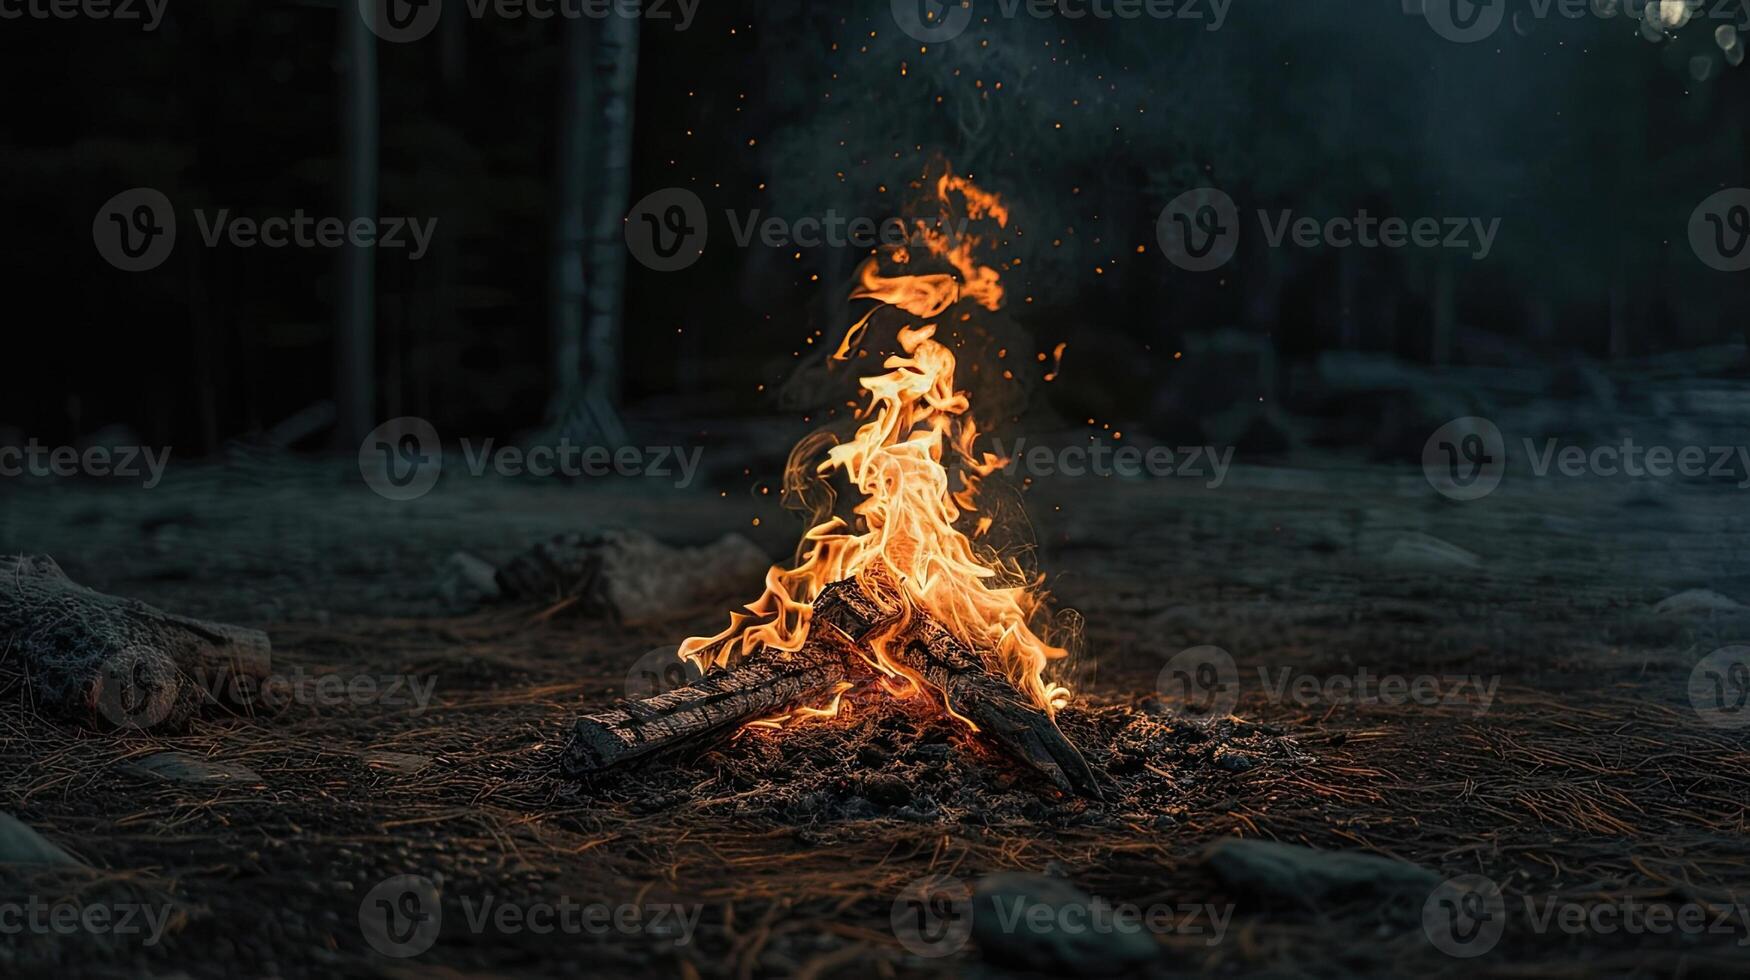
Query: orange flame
(905,544)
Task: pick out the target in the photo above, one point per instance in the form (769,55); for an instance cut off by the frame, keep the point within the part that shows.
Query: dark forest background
(1591,142)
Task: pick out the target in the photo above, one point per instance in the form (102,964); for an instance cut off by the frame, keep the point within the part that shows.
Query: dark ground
(1589,777)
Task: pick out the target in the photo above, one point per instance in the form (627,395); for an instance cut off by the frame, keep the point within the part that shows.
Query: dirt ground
(1587,778)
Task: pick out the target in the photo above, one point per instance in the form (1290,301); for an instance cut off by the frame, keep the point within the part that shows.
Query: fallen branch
(109,662)
(1004,716)
(764,684)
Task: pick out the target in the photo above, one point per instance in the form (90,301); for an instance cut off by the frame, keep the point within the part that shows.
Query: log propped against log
(771,681)
(108,662)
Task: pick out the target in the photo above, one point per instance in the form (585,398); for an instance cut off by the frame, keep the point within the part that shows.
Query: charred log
(765,684)
(110,662)
(1004,717)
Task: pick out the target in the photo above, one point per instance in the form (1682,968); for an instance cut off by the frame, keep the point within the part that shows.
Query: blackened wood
(1005,717)
(111,662)
(765,684)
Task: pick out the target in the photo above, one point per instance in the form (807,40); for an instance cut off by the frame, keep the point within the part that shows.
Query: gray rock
(180,767)
(21,845)
(1697,602)
(465,581)
(1308,876)
(1045,924)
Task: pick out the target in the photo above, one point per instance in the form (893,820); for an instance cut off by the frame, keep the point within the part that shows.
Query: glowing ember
(904,545)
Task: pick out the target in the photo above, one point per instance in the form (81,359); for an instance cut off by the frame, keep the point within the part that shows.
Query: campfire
(904,598)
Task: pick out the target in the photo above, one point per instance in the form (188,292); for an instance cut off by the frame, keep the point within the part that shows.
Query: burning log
(763,685)
(1002,715)
(110,662)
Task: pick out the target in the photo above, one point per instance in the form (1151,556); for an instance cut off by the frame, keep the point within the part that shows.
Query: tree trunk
(355,304)
(567,301)
(616,67)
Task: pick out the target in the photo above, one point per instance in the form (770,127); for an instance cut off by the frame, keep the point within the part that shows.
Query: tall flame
(905,545)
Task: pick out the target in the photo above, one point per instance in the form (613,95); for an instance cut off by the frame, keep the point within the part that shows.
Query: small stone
(465,581)
(887,790)
(1309,876)
(21,845)
(180,767)
(872,756)
(1039,923)
(1697,602)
